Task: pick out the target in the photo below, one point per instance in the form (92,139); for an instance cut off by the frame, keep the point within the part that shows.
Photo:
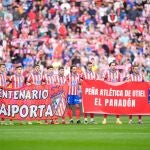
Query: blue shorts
(73,99)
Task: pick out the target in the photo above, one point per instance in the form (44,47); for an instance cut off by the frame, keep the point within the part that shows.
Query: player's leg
(77,110)
(46,121)
(130,119)
(140,119)
(77,102)
(118,119)
(54,120)
(85,118)
(92,118)
(11,122)
(64,116)
(70,104)
(40,121)
(105,119)
(70,113)
(63,120)
(3,122)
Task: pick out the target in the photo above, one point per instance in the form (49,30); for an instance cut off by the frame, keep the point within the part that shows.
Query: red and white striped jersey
(123,75)
(60,105)
(3,80)
(135,77)
(90,75)
(49,79)
(34,78)
(17,80)
(60,79)
(112,76)
(73,82)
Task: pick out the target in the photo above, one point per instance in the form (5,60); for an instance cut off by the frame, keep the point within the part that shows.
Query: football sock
(77,113)
(70,113)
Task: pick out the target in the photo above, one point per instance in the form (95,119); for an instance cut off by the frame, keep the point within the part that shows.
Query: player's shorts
(73,99)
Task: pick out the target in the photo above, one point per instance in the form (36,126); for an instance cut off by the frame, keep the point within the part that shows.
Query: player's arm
(143,78)
(128,78)
(10,80)
(82,78)
(24,81)
(56,82)
(44,79)
(105,76)
(97,77)
(29,80)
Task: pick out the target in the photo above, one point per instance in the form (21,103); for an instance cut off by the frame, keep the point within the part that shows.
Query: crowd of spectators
(56,32)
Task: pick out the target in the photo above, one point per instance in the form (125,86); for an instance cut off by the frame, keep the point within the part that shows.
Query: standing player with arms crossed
(73,80)
(35,78)
(17,80)
(61,80)
(135,76)
(112,75)
(89,75)
(49,79)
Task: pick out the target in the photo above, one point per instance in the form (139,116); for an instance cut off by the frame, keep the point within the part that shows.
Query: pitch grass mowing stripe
(73,137)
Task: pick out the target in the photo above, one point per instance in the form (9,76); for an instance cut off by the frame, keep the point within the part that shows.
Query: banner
(33,102)
(130,98)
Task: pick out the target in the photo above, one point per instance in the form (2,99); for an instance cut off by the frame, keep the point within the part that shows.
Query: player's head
(61,70)
(112,65)
(73,69)
(89,65)
(2,68)
(50,69)
(19,69)
(37,68)
(135,68)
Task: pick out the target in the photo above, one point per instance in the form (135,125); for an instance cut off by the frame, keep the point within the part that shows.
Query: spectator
(109,28)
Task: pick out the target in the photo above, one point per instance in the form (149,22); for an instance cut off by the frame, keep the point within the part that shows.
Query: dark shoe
(85,122)
(78,122)
(140,122)
(71,121)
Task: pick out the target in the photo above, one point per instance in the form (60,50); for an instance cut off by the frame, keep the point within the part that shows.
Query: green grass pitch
(77,137)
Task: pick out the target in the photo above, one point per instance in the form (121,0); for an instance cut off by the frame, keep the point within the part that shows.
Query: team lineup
(74,81)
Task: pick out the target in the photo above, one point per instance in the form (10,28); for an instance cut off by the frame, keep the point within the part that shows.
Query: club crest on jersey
(38,82)
(74,83)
